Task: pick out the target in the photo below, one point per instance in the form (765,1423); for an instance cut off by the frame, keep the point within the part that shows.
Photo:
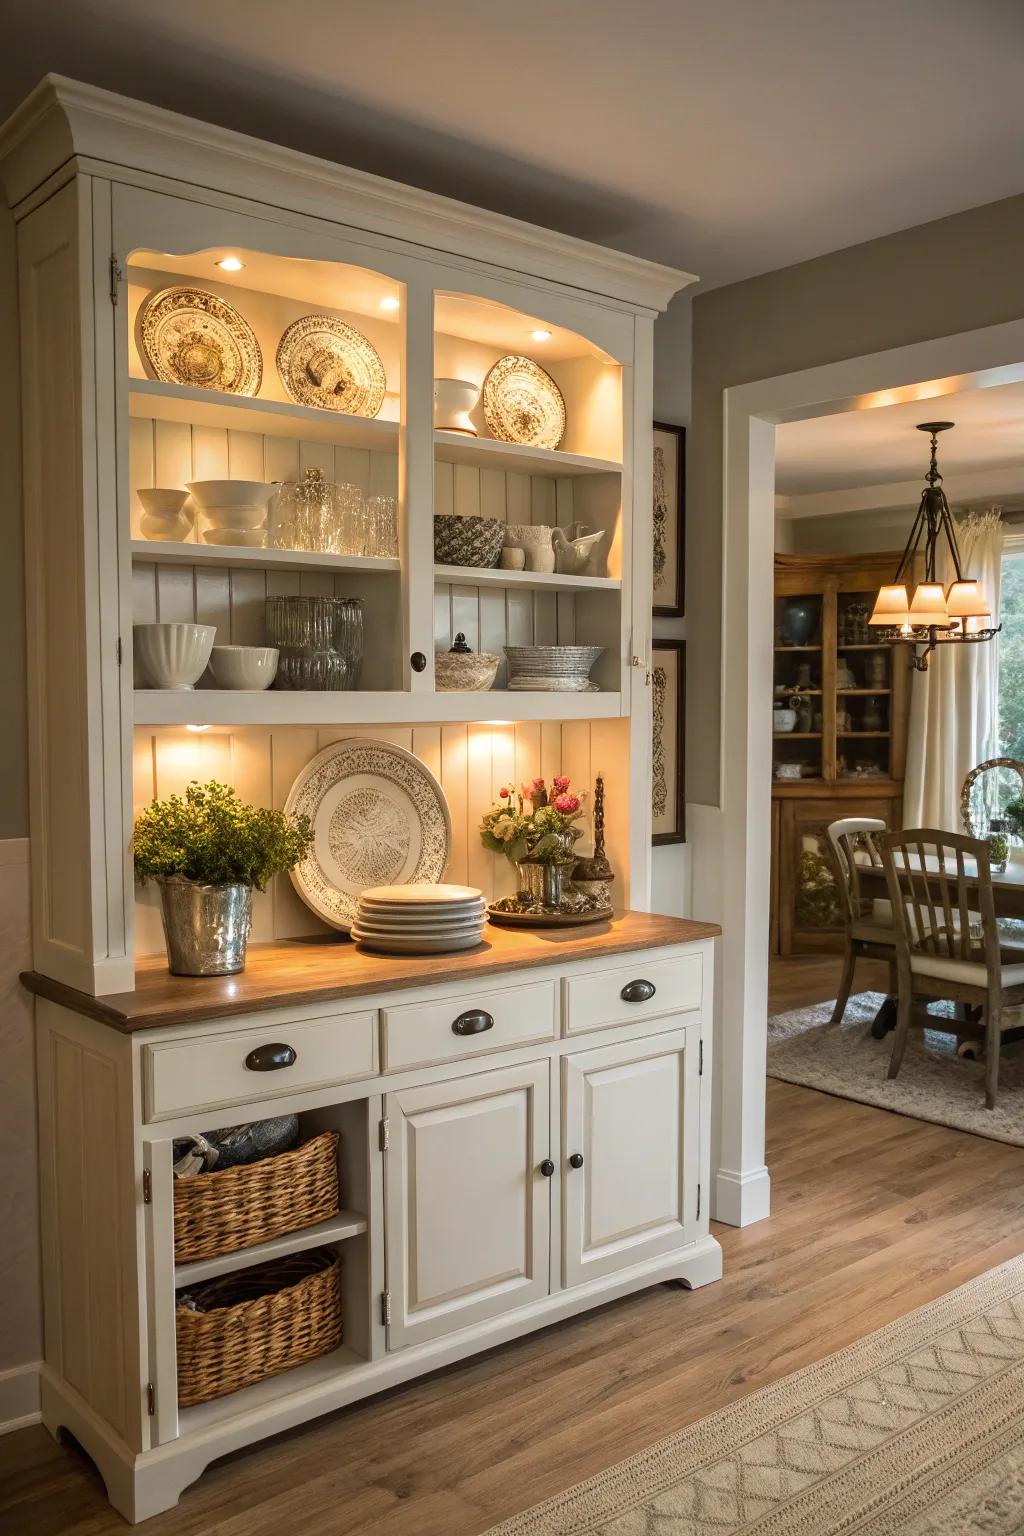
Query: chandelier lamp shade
(931,615)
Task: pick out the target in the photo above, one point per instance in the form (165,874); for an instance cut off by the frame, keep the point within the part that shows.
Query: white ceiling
(728,137)
(880,447)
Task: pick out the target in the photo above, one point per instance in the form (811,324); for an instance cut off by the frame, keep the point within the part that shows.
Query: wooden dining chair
(868,936)
(948,943)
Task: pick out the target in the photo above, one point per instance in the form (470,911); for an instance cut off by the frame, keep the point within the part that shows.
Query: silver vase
(205,926)
(544,884)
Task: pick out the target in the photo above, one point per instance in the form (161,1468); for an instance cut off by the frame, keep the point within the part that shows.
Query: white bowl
(241,538)
(243,666)
(161,502)
(164,515)
(173,655)
(453,401)
(232,503)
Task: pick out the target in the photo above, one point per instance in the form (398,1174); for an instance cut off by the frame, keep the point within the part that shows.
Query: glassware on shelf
(321,517)
(381,526)
(320,640)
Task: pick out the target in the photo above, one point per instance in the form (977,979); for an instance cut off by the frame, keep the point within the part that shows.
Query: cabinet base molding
(139,1486)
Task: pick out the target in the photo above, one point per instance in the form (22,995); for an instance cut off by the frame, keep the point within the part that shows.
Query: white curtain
(954,705)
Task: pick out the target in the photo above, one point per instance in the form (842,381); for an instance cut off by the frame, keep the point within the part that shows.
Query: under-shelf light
(230,264)
(195,728)
(390,303)
(541,335)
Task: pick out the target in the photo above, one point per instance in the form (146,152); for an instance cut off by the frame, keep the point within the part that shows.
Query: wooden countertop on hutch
(301,971)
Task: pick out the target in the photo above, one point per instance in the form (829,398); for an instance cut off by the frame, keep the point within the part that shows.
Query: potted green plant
(539,841)
(207,850)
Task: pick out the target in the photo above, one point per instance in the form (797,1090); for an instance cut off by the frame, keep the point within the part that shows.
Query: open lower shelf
(227,707)
(248,1400)
(162,552)
(529,581)
(154,400)
(345,1224)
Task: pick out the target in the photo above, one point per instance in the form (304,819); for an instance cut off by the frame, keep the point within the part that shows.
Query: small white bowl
(243,666)
(164,515)
(232,503)
(241,538)
(173,655)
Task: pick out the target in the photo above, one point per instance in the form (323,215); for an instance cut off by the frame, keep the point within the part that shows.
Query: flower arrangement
(545,832)
(211,837)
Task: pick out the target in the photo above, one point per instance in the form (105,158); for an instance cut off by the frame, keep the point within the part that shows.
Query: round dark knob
(576,1161)
(417,661)
(547,1167)
(270,1058)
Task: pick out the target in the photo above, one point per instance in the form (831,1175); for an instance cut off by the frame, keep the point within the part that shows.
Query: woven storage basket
(467,540)
(257,1323)
(221,1212)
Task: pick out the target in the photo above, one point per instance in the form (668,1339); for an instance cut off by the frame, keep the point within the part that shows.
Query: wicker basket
(218,1213)
(256,1323)
(467,540)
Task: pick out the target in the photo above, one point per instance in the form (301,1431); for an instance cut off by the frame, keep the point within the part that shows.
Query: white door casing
(631,1112)
(467,1209)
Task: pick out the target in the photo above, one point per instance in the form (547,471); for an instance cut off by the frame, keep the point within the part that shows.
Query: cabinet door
(467,1208)
(630,1114)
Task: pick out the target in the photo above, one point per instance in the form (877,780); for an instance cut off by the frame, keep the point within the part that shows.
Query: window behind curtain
(1011,656)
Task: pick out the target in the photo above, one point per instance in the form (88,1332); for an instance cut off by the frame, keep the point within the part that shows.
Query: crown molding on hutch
(64,119)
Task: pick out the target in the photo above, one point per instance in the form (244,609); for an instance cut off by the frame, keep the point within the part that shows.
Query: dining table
(1007,892)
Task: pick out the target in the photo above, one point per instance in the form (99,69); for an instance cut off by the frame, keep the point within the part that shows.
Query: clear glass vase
(320,640)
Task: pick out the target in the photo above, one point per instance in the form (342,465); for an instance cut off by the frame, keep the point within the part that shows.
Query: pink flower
(504,792)
(561,784)
(567,804)
(538,783)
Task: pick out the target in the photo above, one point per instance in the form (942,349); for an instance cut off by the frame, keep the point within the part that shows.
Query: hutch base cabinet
(491,1182)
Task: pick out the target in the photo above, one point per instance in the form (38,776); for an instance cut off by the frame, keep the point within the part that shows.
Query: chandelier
(935,615)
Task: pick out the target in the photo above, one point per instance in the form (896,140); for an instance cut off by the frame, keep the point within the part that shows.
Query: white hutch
(115,199)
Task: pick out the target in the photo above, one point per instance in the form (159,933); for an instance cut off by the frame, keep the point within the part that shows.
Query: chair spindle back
(936,895)
(847,838)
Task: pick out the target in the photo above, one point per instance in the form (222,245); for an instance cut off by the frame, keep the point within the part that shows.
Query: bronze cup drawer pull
(270,1058)
(638,991)
(473,1022)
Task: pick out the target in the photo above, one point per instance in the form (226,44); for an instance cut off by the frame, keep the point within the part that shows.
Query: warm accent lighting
(541,335)
(935,615)
(197,728)
(390,303)
(231,264)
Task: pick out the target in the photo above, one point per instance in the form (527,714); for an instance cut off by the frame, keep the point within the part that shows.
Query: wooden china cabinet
(847,750)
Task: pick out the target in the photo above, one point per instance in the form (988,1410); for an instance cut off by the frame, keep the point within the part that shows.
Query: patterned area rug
(917,1430)
(933,1084)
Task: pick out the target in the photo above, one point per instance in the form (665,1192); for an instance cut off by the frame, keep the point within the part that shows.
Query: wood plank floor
(873,1214)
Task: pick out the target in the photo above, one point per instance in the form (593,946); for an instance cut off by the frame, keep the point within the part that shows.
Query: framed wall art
(669,519)
(668,708)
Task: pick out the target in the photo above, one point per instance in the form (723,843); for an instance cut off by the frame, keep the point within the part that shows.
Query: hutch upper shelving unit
(490,1182)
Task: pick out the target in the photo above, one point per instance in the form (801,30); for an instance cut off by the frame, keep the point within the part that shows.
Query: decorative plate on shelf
(523,404)
(189,336)
(326,363)
(379,818)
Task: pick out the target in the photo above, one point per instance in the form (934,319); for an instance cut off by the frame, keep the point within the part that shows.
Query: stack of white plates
(419,919)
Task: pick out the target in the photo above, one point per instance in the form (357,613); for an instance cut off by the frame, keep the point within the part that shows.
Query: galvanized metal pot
(205,926)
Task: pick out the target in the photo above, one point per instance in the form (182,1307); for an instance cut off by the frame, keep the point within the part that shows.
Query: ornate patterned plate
(523,404)
(379,818)
(324,362)
(189,336)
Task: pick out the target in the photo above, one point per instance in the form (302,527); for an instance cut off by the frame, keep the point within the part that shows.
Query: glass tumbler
(382,526)
(320,643)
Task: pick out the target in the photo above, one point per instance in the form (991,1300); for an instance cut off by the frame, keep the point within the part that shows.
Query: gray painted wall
(956,274)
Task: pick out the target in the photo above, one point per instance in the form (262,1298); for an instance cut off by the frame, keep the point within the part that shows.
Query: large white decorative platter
(326,363)
(523,404)
(189,336)
(379,817)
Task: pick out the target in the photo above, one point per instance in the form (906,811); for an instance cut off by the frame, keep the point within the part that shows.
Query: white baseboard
(19,1397)
(741,1198)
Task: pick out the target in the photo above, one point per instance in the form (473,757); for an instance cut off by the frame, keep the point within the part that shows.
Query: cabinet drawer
(222,1070)
(450,1029)
(619,996)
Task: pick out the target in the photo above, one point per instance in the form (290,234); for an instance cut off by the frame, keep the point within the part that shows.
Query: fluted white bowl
(243,666)
(232,503)
(173,655)
(164,514)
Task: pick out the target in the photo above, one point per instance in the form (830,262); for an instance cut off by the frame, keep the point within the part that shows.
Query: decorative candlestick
(594,876)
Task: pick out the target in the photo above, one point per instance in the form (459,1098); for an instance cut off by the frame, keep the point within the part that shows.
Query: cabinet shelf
(866,692)
(864,735)
(335,1230)
(160,552)
(796,735)
(529,581)
(249,1400)
(788,648)
(234,707)
(489,453)
(154,400)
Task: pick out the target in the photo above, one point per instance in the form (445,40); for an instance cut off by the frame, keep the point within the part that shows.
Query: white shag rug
(917,1430)
(933,1083)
